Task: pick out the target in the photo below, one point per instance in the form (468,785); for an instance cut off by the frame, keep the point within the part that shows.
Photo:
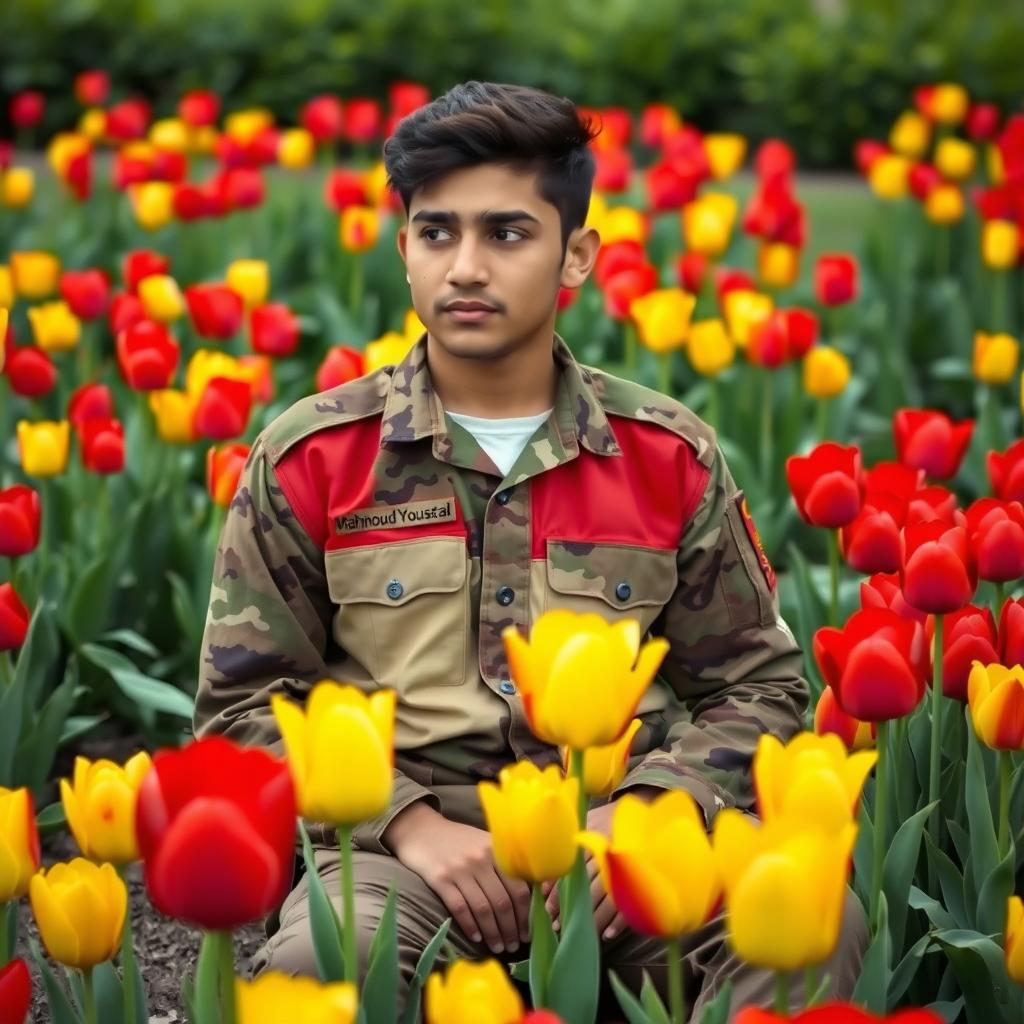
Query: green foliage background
(819,74)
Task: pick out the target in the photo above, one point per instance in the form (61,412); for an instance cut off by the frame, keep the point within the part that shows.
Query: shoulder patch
(355,400)
(621,397)
(755,540)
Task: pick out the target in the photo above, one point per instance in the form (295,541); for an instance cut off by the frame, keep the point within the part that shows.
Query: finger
(480,905)
(460,911)
(617,926)
(502,907)
(521,895)
(604,915)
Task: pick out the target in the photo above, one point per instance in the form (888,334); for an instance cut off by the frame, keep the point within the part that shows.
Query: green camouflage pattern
(733,671)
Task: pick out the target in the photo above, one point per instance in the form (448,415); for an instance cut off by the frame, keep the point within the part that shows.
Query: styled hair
(490,122)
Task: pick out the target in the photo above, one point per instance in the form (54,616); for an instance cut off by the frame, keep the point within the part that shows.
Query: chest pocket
(403,610)
(617,581)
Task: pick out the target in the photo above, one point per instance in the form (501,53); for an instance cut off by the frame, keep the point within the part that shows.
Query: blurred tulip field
(173,277)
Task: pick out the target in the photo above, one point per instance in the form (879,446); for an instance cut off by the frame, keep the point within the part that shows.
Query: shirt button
(507,687)
(505,595)
(395,590)
(623,591)
(503,497)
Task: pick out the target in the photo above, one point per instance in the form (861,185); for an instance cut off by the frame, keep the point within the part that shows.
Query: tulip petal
(55,929)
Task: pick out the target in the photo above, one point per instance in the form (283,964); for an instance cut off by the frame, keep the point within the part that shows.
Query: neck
(519,383)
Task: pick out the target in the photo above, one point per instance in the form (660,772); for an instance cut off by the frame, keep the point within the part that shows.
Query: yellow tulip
(708,222)
(944,204)
(3,337)
(778,264)
(888,174)
(663,318)
(472,993)
(36,274)
(725,152)
(80,909)
(173,411)
(811,779)
(995,695)
(6,287)
(93,124)
(207,363)
(375,184)
(341,751)
(202,139)
(596,213)
(412,326)
(1000,244)
(623,224)
(54,327)
(17,187)
(169,134)
(955,158)
(826,372)
(358,228)
(273,997)
(658,866)
(44,446)
(995,357)
(532,816)
(744,310)
(387,350)
(581,677)
(63,148)
(19,843)
(153,202)
(948,103)
(910,134)
(605,767)
(244,125)
(994,164)
(709,347)
(251,280)
(99,804)
(785,886)
(296,149)
(1015,939)
(161,298)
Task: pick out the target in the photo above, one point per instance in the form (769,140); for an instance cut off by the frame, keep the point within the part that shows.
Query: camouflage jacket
(371,540)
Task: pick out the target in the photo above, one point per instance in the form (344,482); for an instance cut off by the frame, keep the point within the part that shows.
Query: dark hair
(485,122)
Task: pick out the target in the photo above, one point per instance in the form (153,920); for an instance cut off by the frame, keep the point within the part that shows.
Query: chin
(472,342)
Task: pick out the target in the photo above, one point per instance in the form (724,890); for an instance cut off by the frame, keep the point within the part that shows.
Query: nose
(468,267)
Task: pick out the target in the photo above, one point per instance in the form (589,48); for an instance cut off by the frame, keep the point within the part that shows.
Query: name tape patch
(755,539)
(412,513)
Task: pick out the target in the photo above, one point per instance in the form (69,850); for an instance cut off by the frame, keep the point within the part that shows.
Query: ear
(580,255)
(401,238)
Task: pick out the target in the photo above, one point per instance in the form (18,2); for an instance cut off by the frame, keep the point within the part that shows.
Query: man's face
(483,235)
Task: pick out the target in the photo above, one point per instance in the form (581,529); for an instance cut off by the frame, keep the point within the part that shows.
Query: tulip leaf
(130,638)
(86,611)
(61,1010)
(939,916)
(188,1000)
(994,892)
(38,746)
(948,1011)
(906,969)
(324,924)
(898,871)
(631,1006)
(380,988)
(11,703)
(574,979)
(651,1001)
(109,997)
(717,1011)
(423,968)
(873,984)
(984,846)
(51,819)
(542,947)
(977,963)
(154,694)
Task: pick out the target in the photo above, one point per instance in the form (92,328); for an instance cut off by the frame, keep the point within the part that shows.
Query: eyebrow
(488,217)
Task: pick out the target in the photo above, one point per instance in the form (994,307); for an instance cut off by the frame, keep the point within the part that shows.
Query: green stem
(6,909)
(6,669)
(127,958)
(935,761)
(630,349)
(767,395)
(1000,598)
(1005,784)
(782,993)
(878,820)
(226,970)
(810,985)
(711,408)
(576,772)
(88,997)
(834,570)
(349,950)
(677,1008)
(822,418)
(355,290)
(665,373)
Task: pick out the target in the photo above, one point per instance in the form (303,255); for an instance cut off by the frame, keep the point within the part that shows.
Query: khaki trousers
(708,961)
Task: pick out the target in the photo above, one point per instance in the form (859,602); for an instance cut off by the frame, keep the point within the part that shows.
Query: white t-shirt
(503,440)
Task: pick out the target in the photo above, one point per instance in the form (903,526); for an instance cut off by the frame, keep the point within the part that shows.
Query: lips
(469,307)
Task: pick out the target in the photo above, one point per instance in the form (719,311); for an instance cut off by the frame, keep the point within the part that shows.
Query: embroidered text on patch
(413,513)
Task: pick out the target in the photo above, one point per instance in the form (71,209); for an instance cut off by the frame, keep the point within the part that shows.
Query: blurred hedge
(819,74)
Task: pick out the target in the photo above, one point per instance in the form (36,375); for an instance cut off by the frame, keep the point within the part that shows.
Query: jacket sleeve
(268,631)
(733,662)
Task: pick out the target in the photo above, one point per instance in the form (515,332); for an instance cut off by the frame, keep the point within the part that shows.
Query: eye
(514,231)
(425,233)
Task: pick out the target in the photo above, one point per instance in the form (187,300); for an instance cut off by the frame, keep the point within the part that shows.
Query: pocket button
(623,591)
(395,590)
(505,595)
(507,686)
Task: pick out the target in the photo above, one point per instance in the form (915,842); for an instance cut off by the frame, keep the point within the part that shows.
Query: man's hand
(457,862)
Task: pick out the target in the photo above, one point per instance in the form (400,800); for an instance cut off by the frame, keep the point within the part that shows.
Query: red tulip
(892,480)
(141,263)
(344,188)
(871,543)
(982,121)
(566,298)
(19,520)
(216,829)
(1011,632)
(611,259)
(784,336)
(14,618)
(224,465)
(937,572)
(616,126)
(774,159)
(222,411)
(199,108)
(877,664)
(613,169)
(837,1013)
(196,202)
(691,270)
(27,108)
(90,402)
(262,380)
(241,188)
(405,97)
(15,992)
(826,484)
(883,590)
(128,120)
(215,309)
(668,187)
(625,286)
(87,292)
(967,633)
(866,152)
(77,173)
(657,122)
(685,150)
(363,120)
(102,445)
(274,330)
(931,441)
(829,717)
(774,214)
(835,279)
(168,166)
(728,280)
(1006,472)
(340,365)
(996,532)
(323,118)
(30,371)
(147,355)
(932,503)
(92,88)
(263,147)
(541,1017)
(125,310)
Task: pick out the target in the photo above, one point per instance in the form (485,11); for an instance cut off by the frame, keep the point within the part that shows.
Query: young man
(385,532)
